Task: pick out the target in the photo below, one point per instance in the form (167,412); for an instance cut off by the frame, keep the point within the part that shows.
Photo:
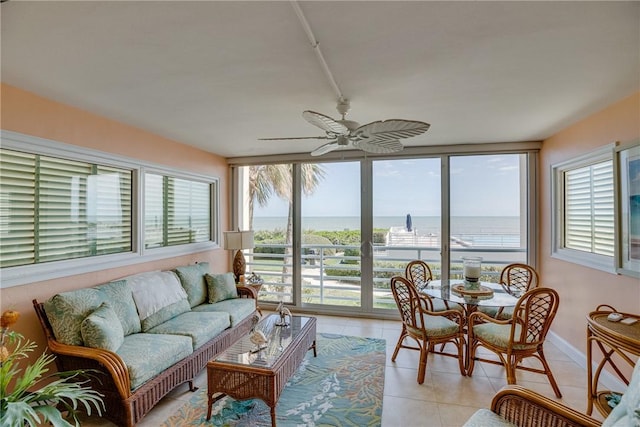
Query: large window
(55,209)
(584,210)
(333,245)
(68,210)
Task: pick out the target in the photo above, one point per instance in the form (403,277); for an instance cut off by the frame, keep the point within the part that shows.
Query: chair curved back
(419,273)
(408,302)
(516,279)
(535,312)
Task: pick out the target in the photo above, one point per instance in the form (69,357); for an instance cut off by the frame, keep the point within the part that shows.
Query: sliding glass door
(406,206)
(330,264)
(488,211)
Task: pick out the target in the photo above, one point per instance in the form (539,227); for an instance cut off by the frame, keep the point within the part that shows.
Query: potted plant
(35,398)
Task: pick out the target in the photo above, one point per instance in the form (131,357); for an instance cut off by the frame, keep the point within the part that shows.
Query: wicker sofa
(146,334)
(517,406)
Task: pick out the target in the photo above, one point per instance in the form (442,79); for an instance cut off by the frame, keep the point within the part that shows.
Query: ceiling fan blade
(326,148)
(299,137)
(379,146)
(391,129)
(325,123)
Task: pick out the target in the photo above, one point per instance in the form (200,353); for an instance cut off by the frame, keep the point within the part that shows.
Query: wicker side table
(242,373)
(612,338)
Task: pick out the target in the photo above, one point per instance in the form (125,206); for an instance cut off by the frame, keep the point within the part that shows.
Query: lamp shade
(237,240)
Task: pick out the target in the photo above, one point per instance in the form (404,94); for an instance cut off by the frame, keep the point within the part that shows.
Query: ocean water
(422,224)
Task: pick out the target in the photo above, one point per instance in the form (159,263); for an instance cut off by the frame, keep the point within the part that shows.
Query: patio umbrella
(408,222)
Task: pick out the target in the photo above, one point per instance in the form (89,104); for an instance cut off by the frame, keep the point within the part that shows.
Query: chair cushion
(193,282)
(498,335)
(438,326)
(119,296)
(221,287)
(102,329)
(147,355)
(200,327)
(237,308)
(487,418)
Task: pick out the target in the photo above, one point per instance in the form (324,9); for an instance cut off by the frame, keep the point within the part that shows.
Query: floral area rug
(343,386)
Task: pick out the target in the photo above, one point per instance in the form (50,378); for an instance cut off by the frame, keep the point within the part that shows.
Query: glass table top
(245,352)
(445,291)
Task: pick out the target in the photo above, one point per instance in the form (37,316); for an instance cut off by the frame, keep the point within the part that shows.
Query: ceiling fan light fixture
(380,137)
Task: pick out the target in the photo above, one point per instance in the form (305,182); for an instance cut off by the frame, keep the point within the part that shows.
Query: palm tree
(268,180)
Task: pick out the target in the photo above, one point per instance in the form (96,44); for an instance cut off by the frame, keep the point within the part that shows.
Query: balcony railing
(331,277)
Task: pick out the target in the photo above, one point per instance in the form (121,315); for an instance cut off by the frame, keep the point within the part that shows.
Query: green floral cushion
(67,310)
(193,282)
(102,329)
(487,418)
(147,355)
(498,335)
(118,295)
(237,308)
(165,313)
(200,327)
(437,326)
(221,287)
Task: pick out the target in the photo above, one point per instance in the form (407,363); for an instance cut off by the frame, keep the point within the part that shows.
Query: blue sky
(487,185)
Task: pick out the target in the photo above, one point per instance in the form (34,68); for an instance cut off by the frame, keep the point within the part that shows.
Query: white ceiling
(220,75)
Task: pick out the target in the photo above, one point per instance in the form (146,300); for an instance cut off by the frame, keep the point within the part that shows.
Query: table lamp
(238,240)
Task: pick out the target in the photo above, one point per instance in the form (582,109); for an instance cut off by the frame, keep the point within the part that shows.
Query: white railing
(331,273)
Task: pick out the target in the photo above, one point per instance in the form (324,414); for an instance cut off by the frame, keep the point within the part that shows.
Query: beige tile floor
(445,399)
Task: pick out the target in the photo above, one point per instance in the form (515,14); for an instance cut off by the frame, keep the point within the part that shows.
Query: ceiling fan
(378,137)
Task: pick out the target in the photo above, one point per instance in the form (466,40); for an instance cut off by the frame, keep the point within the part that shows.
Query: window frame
(558,250)
(25,274)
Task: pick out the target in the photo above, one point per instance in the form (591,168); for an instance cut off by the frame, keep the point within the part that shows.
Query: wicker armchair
(426,326)
(419,273)
(516,279)
(526,408)
(518,338)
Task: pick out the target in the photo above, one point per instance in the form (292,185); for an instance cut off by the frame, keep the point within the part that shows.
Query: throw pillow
(119,296)
(221,287)
(193,282)
(67,310)
(102,329)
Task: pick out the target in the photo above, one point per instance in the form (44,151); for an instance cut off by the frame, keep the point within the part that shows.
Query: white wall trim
(607,380)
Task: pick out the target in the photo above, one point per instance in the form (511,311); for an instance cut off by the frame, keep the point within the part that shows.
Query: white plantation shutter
(48,214)
(177,211)
(589,209)
(17,208)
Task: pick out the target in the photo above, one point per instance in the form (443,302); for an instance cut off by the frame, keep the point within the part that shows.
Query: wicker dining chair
(516,279)
(518,338)
(419,273)
(426,327)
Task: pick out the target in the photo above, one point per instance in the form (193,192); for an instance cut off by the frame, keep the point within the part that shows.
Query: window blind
(589,209)
(177,211)
(56,209)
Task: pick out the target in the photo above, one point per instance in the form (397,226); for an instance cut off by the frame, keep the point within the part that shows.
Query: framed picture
(627,165)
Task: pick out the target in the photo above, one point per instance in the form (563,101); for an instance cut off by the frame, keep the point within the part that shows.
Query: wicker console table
(612,338)
(242,373)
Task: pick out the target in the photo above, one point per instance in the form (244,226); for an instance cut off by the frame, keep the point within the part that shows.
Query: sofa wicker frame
(526,408)
(123,406)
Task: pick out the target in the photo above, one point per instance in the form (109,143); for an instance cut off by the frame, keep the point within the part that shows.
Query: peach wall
(582,289)
(30,114)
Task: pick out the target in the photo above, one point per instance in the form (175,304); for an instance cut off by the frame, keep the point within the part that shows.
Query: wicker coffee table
(243,373)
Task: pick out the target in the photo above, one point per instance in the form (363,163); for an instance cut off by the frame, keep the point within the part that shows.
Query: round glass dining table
(445,291)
